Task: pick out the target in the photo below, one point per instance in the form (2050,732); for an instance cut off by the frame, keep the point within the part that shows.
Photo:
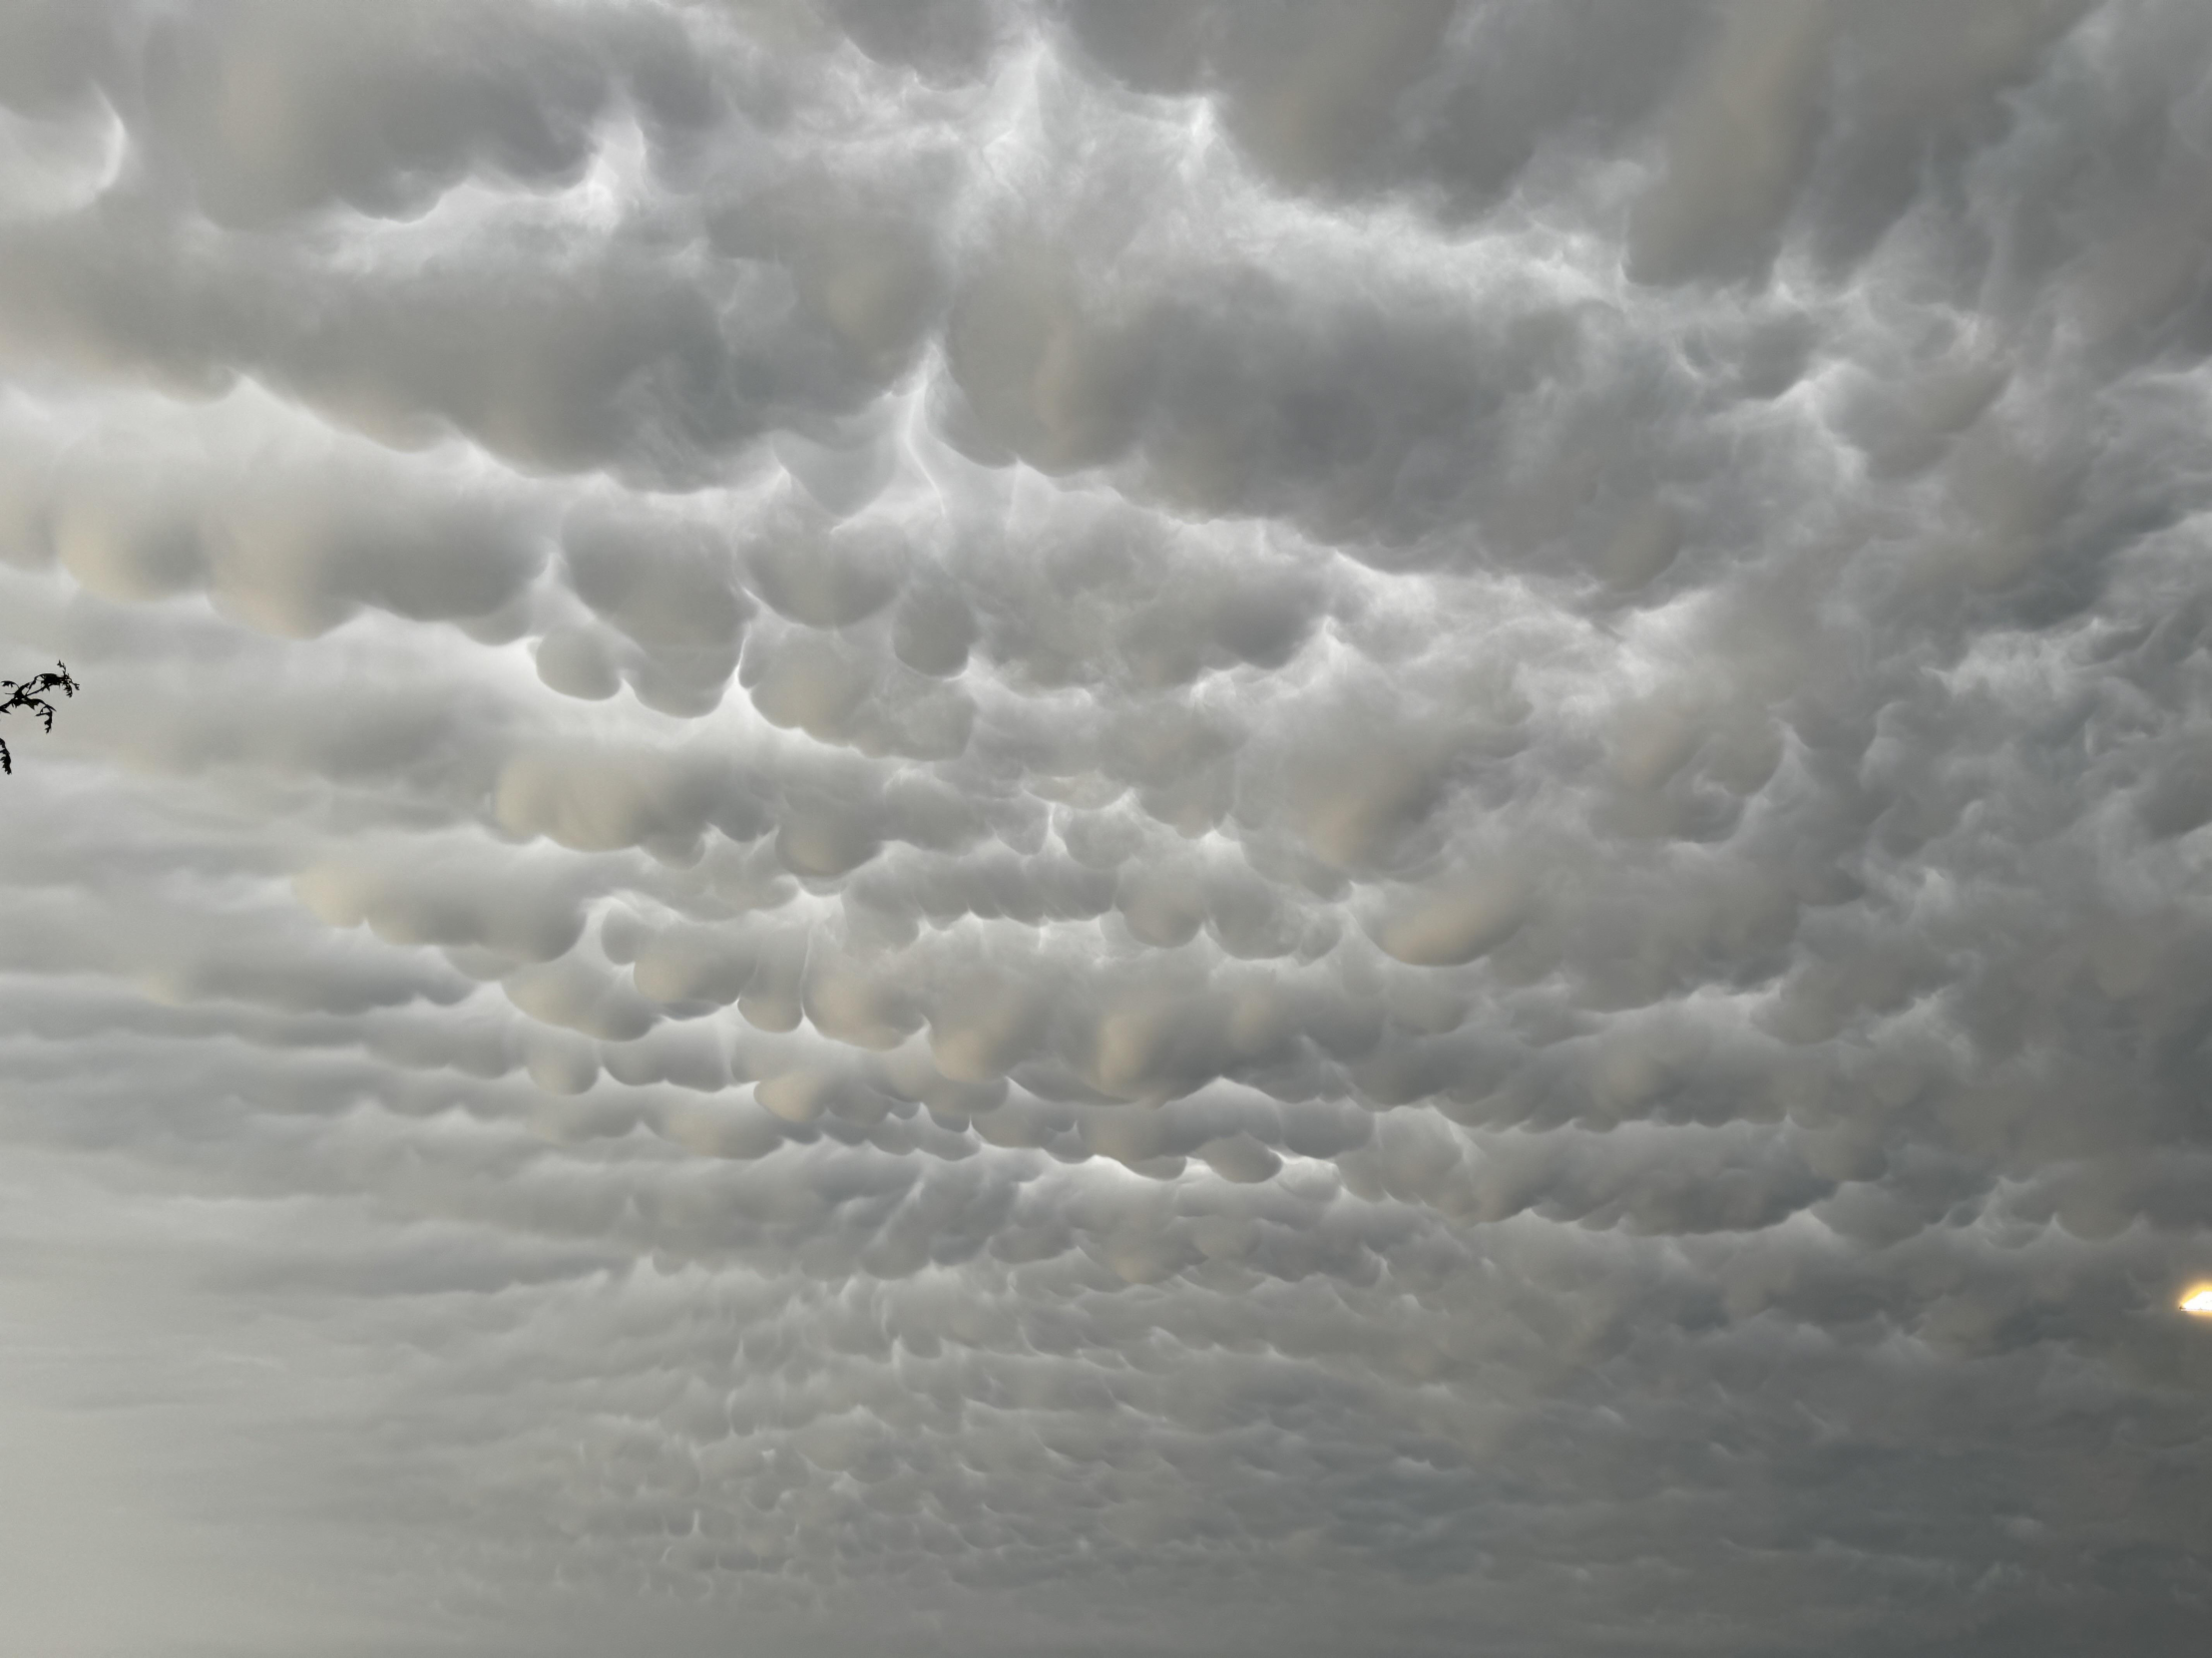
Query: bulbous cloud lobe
(1183,827)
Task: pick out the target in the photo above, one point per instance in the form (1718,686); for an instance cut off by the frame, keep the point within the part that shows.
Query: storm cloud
(1128,826)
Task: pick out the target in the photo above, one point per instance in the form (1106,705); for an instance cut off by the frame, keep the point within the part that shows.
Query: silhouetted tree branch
(31,694)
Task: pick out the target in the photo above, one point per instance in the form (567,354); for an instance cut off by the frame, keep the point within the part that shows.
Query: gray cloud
(1157,828)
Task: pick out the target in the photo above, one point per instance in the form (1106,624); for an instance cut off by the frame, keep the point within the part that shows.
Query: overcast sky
(951,827)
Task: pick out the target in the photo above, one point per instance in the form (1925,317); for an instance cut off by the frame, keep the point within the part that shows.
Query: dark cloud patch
(274,110)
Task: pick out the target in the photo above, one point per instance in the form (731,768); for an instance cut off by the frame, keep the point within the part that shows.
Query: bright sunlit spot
(2198,1301)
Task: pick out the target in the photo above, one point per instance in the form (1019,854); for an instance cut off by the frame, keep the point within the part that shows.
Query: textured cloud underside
(1113,826)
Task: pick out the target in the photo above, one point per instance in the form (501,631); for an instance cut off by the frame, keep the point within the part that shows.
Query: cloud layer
(1108,826)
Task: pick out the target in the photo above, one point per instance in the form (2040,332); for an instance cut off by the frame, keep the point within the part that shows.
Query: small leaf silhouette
(31,694)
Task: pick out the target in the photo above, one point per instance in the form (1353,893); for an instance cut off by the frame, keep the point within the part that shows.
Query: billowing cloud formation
(1108,825)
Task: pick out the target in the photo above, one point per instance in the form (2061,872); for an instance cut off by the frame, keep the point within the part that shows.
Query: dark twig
(31,694)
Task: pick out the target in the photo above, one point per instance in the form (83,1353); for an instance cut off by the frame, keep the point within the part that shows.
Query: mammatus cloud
(1109,825)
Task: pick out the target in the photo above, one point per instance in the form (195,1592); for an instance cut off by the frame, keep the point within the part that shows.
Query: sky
(1107,827)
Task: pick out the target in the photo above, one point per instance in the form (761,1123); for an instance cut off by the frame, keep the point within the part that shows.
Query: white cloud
(1182,828)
